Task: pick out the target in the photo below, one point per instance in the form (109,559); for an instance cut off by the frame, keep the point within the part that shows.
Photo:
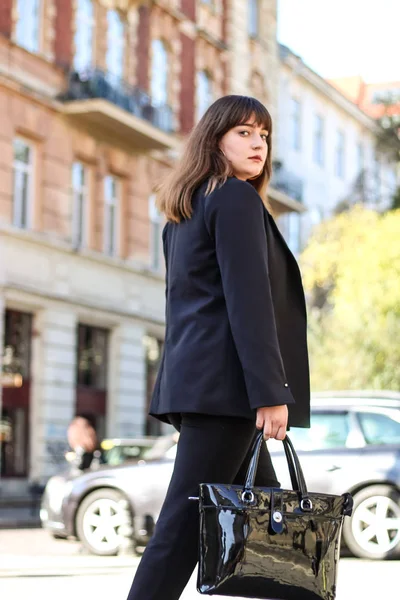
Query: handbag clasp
(248,496)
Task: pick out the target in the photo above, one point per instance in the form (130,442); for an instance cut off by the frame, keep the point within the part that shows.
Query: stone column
(53,389)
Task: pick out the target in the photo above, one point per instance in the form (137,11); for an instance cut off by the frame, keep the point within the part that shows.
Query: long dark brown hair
(202,158)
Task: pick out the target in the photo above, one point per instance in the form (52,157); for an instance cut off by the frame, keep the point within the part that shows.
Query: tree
(351,272)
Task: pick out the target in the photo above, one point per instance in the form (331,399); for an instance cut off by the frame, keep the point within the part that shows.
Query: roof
(360,398)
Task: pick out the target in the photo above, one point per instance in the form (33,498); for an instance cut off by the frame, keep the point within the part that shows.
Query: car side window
(328,430)
(380,428)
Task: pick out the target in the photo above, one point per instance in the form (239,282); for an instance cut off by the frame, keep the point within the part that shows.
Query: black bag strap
(295,470)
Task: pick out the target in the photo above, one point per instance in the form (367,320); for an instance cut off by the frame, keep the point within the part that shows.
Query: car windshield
(122,453)
(380,428)
(160,448)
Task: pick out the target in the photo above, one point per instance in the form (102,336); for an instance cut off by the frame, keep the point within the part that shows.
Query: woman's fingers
(281,433)
(267,429)
(274,430)
(259,421)
(272,421)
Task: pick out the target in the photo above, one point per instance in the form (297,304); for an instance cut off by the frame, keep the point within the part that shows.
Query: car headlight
(56,490)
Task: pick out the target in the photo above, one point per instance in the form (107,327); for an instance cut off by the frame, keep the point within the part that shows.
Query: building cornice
(55,244)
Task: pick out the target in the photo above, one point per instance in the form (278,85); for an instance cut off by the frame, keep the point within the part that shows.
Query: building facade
(96,97)
(331,145)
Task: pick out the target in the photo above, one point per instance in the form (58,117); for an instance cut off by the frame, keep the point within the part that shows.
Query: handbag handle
(295,470)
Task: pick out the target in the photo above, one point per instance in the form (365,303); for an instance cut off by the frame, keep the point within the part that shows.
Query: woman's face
(245,146)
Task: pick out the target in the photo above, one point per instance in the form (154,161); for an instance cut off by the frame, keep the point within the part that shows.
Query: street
(34,565)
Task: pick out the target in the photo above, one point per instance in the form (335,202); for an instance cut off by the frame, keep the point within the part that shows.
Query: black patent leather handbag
(270,543)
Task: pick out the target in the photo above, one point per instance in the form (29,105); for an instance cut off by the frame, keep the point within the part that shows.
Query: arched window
(204,92)
(115,45)
(253,18)
(84,35)
(159,73)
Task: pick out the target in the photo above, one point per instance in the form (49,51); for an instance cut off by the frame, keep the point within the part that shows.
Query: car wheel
(373,531)
(104,522)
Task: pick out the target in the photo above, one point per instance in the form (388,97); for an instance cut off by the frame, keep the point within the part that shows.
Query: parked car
(114,451)
(353,446)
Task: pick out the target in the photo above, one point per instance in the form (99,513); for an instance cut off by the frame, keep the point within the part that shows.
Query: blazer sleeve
(235,220)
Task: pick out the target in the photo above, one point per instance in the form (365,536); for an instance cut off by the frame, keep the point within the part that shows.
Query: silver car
(353,446)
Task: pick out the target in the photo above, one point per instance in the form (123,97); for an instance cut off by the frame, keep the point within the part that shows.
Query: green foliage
(351,271)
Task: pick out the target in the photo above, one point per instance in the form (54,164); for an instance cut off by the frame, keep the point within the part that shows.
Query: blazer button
(286,385)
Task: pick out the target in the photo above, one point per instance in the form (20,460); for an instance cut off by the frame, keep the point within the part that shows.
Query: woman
(235,354)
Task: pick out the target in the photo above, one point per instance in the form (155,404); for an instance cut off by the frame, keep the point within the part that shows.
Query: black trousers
(210,450)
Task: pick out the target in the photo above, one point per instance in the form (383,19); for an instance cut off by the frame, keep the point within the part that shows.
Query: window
(84,35)
(28,24)
(377,178)
(159,73)
(153,352)
(293,232)
(92,356)
(360,157)
(115,46)
(380,428)
(318,140)
(204,93)
(23,184)
(91,375)
(328,430)
(79,204)
(340,158)
(296,124)
(111,201)
(253,18)
(155,233)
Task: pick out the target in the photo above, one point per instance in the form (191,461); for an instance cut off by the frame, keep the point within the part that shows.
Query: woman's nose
(256,143)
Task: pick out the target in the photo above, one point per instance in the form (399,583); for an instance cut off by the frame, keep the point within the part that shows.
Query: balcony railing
(287,182)
(95,83)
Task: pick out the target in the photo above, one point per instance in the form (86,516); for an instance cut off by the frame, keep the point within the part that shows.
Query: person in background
(82,438)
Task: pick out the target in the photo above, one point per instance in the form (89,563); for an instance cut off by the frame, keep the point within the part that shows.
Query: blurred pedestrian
(235,355)
(82,438)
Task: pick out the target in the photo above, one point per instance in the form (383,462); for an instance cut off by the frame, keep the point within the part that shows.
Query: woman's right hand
(273,421)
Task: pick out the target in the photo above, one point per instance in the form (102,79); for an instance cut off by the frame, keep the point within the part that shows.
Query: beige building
(95,100)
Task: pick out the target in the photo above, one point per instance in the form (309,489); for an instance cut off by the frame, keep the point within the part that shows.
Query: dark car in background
(353,446)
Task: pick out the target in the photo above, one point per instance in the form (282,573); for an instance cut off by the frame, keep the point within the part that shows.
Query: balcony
(285,190)
(110,105)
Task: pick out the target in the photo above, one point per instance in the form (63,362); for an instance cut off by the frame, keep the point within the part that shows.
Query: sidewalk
(28,565)
(34,552)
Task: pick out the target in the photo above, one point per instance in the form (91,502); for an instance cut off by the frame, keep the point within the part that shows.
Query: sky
(340,38)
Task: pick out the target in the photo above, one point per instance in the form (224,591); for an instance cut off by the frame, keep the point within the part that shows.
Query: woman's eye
(243,132)
(264,135)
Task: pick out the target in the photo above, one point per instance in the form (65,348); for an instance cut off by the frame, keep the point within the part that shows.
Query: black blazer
(235,312)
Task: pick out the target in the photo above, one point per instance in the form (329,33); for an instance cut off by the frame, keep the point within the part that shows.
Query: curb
(50,566)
